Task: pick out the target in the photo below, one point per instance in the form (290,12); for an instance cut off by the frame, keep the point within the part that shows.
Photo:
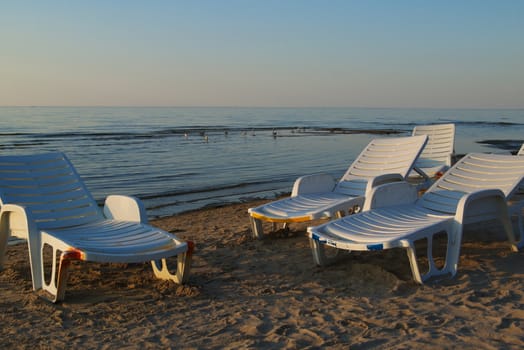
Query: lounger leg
(36,262)
(454,235)
(453,250)
(450,264)
(256,228)
(319,253)
(183,266)
(58,281)
(519,228)
(4,237)
(51,286)
(63,273)
(412,255)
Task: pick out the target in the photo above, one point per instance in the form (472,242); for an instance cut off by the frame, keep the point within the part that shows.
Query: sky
(368,53)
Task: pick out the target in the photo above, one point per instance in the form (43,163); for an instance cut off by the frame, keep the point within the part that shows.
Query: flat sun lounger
(475,189)
(320,196)
(438,154)
(45,202)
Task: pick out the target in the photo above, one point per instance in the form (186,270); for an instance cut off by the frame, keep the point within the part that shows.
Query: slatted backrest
(474,172)
(440,145)
(48,186)
(388,155)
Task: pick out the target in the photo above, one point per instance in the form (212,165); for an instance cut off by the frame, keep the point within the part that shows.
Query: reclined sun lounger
(475,189)
(44,201)
(321,196)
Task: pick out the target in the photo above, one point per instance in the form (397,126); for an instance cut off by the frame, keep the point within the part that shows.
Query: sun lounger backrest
(521,151)
(440,145)
(474,172)
(49,187)
(388,155)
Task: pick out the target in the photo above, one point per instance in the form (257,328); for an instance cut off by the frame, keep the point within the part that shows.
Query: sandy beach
(245,293)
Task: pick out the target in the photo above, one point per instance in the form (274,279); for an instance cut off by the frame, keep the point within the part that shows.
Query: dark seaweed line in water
(180,131)
(485,123)
(503,144)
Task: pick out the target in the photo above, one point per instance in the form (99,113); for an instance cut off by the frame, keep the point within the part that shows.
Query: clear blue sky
(456,54)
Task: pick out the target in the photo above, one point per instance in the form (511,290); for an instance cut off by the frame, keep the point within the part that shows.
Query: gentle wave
(205,189)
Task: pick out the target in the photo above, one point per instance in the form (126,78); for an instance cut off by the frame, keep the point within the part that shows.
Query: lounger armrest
(381,180)
(480,205)
(395,193)
(313,184)
(125,208)
(16,221)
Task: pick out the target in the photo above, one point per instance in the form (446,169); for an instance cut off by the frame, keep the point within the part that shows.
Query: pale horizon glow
(296,53)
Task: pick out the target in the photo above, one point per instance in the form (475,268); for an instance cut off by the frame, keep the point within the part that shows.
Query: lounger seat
(115,241)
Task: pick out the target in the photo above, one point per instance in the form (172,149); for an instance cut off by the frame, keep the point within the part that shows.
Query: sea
(178,159)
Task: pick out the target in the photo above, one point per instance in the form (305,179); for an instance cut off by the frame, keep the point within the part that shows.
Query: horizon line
(240,106)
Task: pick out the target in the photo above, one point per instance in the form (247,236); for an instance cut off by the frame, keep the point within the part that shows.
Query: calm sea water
(179,159)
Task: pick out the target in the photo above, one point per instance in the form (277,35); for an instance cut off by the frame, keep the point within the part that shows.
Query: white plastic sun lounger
(438,154)
(475,189)
(321,196)
(44,201)
(517,203)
